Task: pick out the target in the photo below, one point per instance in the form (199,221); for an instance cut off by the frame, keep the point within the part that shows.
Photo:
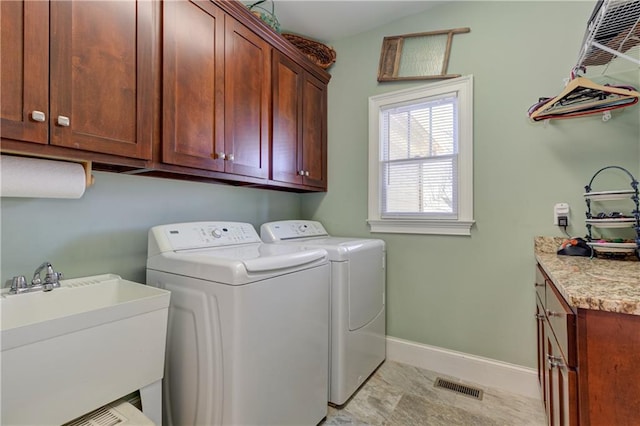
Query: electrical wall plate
(560,209)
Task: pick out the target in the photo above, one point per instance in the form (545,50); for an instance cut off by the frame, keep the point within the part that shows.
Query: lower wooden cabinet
(609,368)
(587,361)
(561,383)
(556,354)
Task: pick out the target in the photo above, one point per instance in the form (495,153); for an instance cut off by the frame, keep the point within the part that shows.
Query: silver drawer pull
(539,285)
(38,116)
(553,314)
(63,121)
(540,316)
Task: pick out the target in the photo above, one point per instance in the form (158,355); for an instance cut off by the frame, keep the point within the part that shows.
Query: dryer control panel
(194,235)
(291,229)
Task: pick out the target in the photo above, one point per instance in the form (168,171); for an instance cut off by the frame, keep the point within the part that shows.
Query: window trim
(463,87)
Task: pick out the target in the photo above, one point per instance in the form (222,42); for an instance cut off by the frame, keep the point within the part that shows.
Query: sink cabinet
(216,91)
(69,351)
(587,361)
(299,148)
(78,75)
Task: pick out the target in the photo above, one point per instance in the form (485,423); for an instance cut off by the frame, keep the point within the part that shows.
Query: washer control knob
(302,228)
(216,233)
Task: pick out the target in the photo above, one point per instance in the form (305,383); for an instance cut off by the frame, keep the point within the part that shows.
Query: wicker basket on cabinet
(320,54)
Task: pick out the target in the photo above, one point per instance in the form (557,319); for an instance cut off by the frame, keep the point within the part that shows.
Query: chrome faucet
(51,280)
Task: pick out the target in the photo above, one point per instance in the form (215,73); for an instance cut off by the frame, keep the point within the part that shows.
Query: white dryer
(358,330)
(247,340)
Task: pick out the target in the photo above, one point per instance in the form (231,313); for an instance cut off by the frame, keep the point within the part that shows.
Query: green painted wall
(472,294)
(475,294)
(105,231)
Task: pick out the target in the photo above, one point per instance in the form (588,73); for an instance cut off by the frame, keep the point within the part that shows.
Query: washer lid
(340,248)
(311,234)
(239,264)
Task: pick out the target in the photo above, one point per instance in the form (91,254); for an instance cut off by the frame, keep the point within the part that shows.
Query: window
(421,159)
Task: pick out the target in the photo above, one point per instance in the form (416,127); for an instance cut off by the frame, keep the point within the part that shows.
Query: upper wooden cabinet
(216,91)
(299,145)
(193,85)
(237,101)
(24,70)
(101,68)
(93,90)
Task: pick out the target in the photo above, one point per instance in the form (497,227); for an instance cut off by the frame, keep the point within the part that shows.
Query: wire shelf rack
(613,31)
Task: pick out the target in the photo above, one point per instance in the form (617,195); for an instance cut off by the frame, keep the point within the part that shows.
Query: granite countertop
(591,283)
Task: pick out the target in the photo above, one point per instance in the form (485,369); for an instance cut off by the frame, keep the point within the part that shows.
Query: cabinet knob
(63,121)
(301,173)
(38,116)
(219,156)
(555,361)
(230,157)
(306,172)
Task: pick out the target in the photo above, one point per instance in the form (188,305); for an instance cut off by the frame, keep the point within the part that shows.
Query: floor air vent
(118,413)
(458,388)
(105,416)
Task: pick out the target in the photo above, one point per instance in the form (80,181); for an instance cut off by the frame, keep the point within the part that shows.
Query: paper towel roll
(38,178)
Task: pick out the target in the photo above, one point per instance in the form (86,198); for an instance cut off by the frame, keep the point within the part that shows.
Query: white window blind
(419,159)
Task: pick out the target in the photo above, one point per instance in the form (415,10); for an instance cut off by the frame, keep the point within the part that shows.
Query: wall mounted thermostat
(561,214)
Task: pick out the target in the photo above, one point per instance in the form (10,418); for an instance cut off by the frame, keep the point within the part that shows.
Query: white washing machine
(247,340)
(358,329)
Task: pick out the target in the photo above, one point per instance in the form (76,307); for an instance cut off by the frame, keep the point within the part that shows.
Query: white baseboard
(468,368)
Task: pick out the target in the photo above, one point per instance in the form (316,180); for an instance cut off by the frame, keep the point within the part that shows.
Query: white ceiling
(330,20)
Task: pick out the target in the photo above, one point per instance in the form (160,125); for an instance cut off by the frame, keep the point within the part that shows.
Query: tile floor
(403,395)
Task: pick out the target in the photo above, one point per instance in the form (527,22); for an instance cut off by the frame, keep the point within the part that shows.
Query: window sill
(434,227)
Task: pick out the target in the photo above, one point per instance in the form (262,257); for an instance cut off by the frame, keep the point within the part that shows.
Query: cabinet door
(314,128)
(609,374)
(24,70)
(561,385)
(286,153)
(193,85)
(562,321)
(299,146)
(542,359)
(247,88)
(102,85)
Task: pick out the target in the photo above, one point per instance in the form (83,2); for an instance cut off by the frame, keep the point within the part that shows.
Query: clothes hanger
(582,96)
(603,108)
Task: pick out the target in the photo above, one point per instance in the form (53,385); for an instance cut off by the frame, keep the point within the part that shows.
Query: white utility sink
(71,350)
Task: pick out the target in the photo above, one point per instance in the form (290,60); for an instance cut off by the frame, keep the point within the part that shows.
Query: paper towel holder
(86,164)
